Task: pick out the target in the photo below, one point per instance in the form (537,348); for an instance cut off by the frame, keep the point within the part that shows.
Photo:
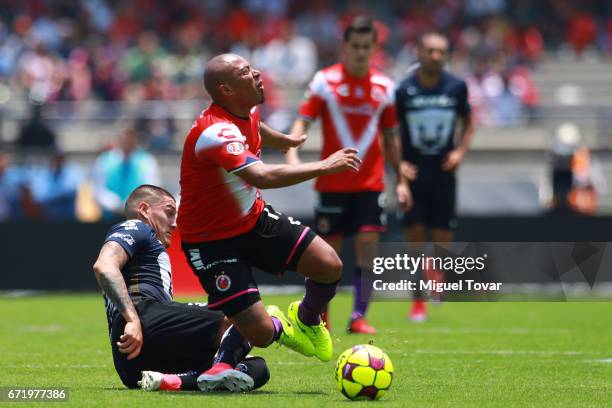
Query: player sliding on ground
(227,228)
(149,332)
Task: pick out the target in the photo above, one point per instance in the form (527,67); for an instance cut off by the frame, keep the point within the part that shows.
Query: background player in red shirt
(227,228)
(355,104)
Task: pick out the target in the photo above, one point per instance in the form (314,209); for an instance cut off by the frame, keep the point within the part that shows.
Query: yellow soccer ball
(364,372)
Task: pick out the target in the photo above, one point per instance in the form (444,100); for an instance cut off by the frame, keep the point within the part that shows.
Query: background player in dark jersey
(149,332)
(436,129)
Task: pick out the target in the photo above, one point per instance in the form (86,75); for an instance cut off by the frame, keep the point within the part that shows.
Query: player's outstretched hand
(409,170)
(344,159)
(130,342)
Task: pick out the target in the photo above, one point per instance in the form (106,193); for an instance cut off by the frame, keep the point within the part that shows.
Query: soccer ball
(364,372)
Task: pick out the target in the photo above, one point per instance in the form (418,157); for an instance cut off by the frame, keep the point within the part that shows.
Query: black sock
(256,368)
(189,380)
(234,347)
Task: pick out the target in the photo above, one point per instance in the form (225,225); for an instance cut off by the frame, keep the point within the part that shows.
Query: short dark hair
(145,192)
(428,33)
(361,25)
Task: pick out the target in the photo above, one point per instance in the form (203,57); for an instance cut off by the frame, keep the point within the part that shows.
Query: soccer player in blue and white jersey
(436,128)
(158,343)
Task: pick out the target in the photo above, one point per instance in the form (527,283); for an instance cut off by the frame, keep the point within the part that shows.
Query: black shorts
(177,337)
(344,214)
(433,202)
(223,267)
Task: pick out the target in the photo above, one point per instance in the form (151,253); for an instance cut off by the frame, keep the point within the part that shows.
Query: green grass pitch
(467,354)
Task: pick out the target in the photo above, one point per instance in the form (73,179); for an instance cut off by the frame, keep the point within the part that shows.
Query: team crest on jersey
(323,225)
(223,282)
(411,90)
(343,90)
(235,148)
(378,94)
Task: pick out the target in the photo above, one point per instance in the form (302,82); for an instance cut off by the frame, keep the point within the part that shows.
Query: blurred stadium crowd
(151,50)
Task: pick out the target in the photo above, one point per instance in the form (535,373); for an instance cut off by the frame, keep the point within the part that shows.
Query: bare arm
(300,127)
(279,140)
(393,148)
(455,156)
(108,274)
(264,176)
(467,132)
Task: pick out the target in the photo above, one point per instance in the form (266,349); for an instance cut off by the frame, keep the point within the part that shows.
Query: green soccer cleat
(291,337)
(318,335)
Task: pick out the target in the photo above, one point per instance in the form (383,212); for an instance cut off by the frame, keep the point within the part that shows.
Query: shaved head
(232,83)
(219,72)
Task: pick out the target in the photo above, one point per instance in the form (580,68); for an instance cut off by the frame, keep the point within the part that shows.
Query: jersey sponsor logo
(125,237)
(227,133)
(195,259)
(130,225)
(198,304)
(235,148)
(165,272)
(217,135)
(364,109)
(223,282)
(215,263)
(436,101)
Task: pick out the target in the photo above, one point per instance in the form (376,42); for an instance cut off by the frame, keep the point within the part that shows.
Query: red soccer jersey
(216,203)
(353,111)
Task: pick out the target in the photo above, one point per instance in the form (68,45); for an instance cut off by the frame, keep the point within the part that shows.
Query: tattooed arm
(108,273)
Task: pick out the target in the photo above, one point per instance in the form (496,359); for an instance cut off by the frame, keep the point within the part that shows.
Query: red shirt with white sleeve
(215,203)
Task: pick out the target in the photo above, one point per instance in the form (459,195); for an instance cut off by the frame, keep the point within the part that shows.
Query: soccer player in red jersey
(355,104)
(227,228)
